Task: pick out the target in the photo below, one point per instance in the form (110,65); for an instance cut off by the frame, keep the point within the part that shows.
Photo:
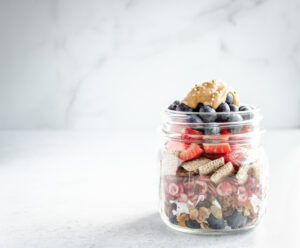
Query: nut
(217,212)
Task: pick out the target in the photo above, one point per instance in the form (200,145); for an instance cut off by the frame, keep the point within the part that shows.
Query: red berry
(173,189)
(176,146)
(225,131)
(236,157)
(213,156)
(224,189)
(193,151)
(189,134)
(217,148)
(211,188)
(200,187)
(181,188)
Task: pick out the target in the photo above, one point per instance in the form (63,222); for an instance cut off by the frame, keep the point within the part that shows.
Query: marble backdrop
(114,64)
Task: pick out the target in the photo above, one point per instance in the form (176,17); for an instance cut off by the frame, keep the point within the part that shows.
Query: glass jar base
(202,231)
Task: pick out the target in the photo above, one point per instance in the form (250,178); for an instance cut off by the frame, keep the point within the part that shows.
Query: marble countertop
(89,189)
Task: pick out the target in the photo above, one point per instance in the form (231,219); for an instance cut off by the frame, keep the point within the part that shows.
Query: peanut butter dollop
(211,93)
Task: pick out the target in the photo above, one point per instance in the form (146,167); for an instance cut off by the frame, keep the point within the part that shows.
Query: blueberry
(215,223)
(223,107)
(246,116)
(212,130)
(195,119)
(173,219)
(244,108)
(229,98)
(233,108)
(235,128)
(208,117)
(184,108)
(174,105)
(236,220)
(198,107)
(192,224)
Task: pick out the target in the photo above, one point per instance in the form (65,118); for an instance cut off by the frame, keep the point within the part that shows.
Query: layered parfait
(212,166)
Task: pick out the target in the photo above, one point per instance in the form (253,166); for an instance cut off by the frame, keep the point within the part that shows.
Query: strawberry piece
(191,134)
(190,194)
(247,129)
(236,157)
(224,189)
(217,148)
(242,194)
(211,188)
(225,131)
(200,187)
(193,151)
(176,128)
(213,156)
(173,189)
(176,146)
(191,131)
(181,188)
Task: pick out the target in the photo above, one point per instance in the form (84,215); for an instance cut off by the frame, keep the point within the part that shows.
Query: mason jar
(212,174)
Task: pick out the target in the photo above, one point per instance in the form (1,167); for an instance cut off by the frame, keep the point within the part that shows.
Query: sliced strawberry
(236,157)
(193,151)
(247,129)
(217,148)
(213,156)
(191,134)
(225,131)
(188,187)
(200,187)
(224,189)
(211,188)
(190,194)
(176,128)
(176,146)
(191,131)
(173,189)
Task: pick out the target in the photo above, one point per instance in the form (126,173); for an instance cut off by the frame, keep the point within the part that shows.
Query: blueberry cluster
(206,114)
(235,221)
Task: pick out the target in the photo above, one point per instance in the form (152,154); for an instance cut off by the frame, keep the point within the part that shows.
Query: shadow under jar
(212,175)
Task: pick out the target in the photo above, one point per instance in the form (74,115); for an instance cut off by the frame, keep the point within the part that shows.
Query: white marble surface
(86,63)
(88,190)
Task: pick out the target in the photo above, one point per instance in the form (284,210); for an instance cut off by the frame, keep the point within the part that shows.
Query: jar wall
(218,191)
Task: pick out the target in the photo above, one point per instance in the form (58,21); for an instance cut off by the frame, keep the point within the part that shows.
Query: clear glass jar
(212,175)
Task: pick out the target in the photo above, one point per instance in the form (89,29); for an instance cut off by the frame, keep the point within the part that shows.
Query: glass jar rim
(180,119)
